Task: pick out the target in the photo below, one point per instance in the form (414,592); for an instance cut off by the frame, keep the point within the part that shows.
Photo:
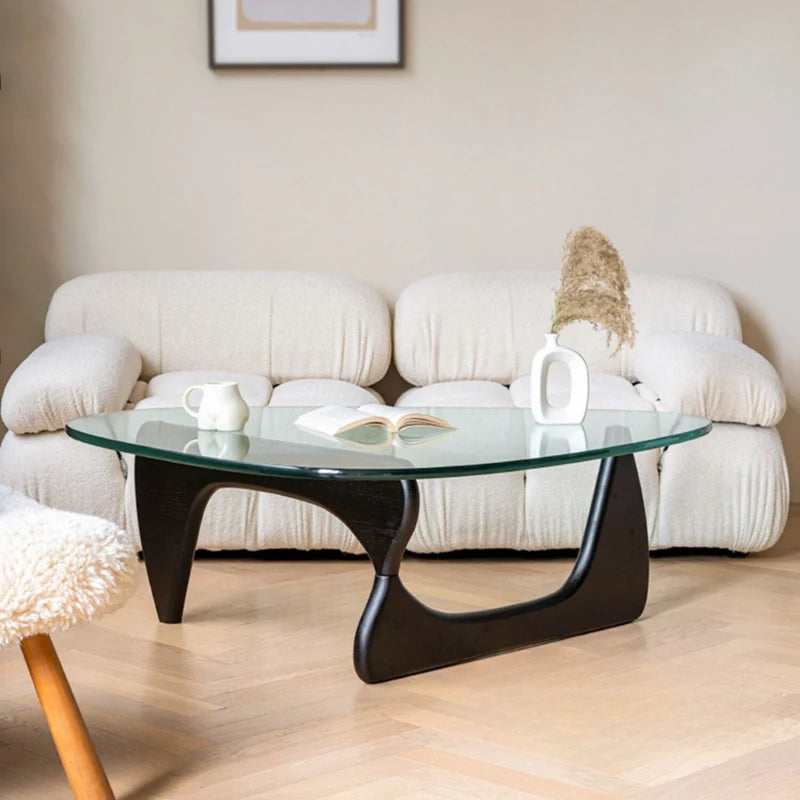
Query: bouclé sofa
(139,339)
(468,339)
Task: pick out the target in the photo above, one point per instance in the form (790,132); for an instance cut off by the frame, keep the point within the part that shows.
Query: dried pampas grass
(594,287)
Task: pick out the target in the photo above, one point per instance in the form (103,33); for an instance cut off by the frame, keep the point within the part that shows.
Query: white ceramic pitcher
(222,407)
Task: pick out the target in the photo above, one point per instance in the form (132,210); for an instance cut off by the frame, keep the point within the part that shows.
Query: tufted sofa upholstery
(138,339)
(468,339)
(289,338)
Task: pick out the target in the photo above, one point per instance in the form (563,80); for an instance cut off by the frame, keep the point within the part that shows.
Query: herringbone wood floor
(254,695)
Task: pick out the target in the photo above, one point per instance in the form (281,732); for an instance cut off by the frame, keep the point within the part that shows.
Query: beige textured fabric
(480,511)
(557,500)
(243,519)
(535,510)
(255,389)
(467,337)
(487,326)
(702,497)
(282,324)
(166,391)
(711,376)
(605,392)
(64,474)
(713,496)
(160,401)
(265,520)
(70,377)
(475,394)
(139,392)
(476,511)
(313,392)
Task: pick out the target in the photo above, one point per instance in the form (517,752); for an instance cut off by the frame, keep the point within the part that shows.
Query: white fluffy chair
(57,569)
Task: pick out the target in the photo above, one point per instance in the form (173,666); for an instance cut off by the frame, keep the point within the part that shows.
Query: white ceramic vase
(574,410)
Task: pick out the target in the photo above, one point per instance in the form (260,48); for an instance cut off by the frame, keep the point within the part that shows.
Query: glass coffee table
(370,483)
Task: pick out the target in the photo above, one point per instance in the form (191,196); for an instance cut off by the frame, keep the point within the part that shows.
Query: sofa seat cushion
(710,495)
(63,473)
(472,511)
(322,392)
(477,512)
(456,394)
(246,519)
(166,390)
(605,392)
(558,499)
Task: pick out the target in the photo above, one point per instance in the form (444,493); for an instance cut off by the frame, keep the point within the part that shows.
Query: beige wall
(670,124)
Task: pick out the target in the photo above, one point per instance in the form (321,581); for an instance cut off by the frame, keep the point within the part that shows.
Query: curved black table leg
(398,635)
(171,499)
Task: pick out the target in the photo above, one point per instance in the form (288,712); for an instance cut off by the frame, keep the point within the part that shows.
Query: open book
(338,420)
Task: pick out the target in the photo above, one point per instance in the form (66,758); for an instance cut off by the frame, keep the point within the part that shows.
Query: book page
(404,417)
(390,413)
(336,419)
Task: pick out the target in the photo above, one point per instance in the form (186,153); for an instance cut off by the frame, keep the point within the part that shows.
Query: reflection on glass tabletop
(484,440)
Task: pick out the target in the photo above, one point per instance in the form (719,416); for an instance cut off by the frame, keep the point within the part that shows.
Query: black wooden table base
(397,634)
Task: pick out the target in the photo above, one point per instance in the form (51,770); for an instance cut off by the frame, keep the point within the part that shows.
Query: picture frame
(305,33)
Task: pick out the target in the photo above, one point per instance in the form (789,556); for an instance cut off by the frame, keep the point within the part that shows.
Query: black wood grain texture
(397,634)
(171,499)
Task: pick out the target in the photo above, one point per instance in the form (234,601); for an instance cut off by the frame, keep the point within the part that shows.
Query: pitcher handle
(186,405)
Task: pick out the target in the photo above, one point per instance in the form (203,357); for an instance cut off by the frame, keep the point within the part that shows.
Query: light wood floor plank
(255,696)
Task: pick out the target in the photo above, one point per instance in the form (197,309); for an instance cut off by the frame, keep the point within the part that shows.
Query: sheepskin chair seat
(57,569)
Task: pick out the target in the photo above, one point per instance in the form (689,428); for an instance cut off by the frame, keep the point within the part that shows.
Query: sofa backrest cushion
(488,325)
(285,325)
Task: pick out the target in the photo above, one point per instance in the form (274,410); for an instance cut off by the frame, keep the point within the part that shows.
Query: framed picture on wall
(305,33)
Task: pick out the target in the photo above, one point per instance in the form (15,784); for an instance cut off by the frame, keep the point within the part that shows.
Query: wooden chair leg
(85,774)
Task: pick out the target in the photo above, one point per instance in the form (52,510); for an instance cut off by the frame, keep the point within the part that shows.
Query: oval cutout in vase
(574,410)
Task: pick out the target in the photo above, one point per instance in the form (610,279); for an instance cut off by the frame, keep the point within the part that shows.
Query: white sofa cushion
(64,473)
(321,392)
(282,324)
(605,392)
(728,489)
(166,391)
(557,500)
(487,325)
(70,377)
(471,512)
(455,394)
(475,511)
(255,389)
(711,376)
(244,519)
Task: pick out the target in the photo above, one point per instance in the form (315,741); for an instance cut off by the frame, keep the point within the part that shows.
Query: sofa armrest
(69,377)
(711,376)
